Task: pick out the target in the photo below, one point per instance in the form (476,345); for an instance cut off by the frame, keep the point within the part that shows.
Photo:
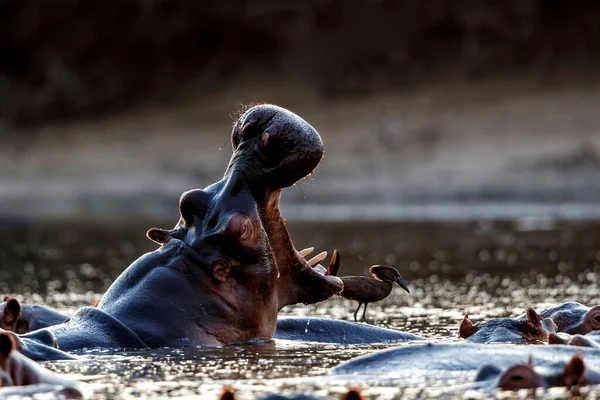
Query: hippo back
(93,328)
(325,330)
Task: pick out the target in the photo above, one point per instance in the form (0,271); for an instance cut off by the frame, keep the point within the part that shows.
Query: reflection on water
(487,269)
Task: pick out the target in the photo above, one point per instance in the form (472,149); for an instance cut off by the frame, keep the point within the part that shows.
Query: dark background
(119,106)
(65,58)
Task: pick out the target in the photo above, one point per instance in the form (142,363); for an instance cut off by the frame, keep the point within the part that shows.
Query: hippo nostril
(516,378)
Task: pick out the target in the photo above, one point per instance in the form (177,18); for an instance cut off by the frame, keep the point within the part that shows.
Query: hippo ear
(158,235)
(12,311)
(228,394)
(532,316)
(334,264)
(353,394)
(466,328)
(220,271)
(6,345)
(574,372)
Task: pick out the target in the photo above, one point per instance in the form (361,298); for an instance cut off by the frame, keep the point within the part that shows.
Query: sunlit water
(486,269)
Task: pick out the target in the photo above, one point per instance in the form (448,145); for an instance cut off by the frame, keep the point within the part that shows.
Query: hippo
(573,318)
(18,319)
(524,328)
(16,370)
(570,317)
(460,361)
(224,271)
(324,330)
(592,339)
(527,376)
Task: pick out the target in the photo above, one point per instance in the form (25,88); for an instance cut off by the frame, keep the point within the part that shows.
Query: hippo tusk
(306,252)
(334,264)
(317,259)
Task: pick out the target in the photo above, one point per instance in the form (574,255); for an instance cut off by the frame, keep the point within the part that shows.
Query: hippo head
(591,321)
(11,315)
(233,233)
(525,376)
(6,347)
(520,376)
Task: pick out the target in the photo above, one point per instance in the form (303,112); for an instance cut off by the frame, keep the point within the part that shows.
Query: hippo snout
(274,147)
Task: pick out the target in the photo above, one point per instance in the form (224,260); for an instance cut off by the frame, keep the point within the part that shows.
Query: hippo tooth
(317,259)
(306,252)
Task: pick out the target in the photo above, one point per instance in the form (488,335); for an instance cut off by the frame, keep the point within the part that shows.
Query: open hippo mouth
(273,149)
(237,251)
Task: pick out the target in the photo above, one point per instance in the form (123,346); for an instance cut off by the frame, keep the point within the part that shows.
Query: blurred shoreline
(494,148)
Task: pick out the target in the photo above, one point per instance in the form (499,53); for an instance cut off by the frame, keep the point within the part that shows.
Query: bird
(366,289)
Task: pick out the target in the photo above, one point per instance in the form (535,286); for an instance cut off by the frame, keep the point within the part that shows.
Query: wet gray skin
(324,330)
(438,359)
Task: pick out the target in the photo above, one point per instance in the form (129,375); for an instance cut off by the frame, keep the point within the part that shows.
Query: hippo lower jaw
(298,281)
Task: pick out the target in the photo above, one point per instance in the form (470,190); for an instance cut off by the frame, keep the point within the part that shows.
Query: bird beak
(401,283)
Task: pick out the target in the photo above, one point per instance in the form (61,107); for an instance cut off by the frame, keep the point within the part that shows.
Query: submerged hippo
(17,370)
(525,328)
(457,360)
(592,339)
(570,317)
(527,376)
(573,317)
(228,266)
(23,319)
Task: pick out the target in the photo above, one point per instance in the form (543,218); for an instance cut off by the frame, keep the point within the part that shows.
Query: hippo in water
(486,367)
(19,319)
(16,371)
(525,328)
(228,266)
(570,317)
(592,339)
(527,376)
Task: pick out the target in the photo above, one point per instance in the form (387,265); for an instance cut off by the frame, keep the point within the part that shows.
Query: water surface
(483,268)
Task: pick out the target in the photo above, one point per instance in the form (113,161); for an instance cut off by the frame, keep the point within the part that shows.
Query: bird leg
(356,312)
(364,317)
